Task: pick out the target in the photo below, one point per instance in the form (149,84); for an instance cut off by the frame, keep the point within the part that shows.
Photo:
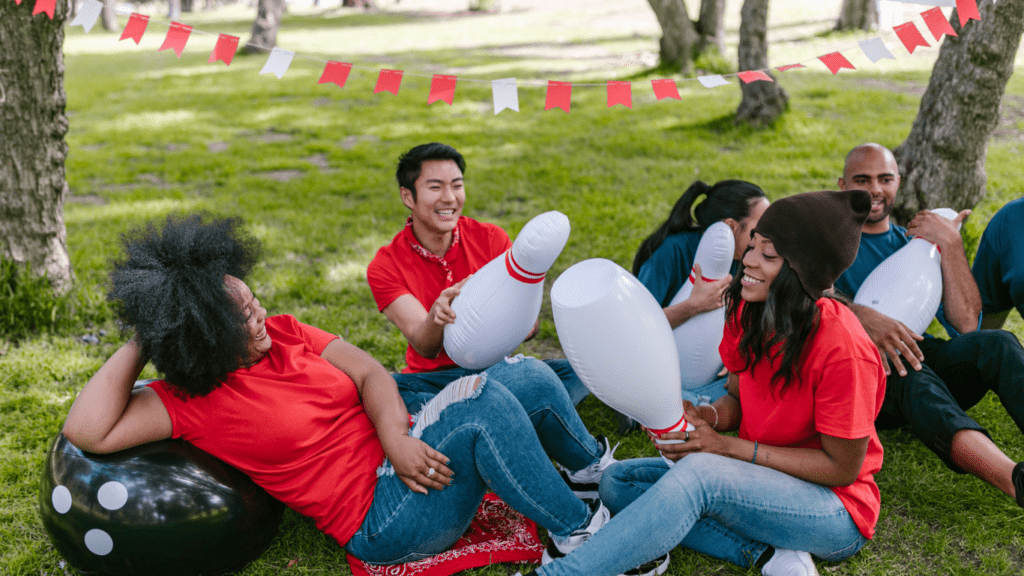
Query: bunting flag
(47,6)
(177,36)
(506,95)
(88,13)
(937,23)
(665,89)
(135,27)
(620,93)
(910,36)
(559,95)
(18,2)
(388,81)
(967,10)
(835,62)
(278,62)
(224,49)
(442,87)
(789,67)
(335,72)
(712,81)
(875,50)
(754,76)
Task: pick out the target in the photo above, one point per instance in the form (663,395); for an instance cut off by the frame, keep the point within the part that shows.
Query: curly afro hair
(170,288)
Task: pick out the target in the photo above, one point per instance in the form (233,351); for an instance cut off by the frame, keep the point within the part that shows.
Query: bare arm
(706,296)
(424,329)
(411,457)
(961,300)
(107,416)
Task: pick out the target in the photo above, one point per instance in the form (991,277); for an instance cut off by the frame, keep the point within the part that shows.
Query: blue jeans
(719,506)
(712,391)
(540,392)
(489,439)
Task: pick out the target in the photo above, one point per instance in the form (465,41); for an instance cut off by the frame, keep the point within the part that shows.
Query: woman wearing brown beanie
(806,385)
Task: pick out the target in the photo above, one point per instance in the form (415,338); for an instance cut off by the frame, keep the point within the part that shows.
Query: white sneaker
(655,567)
(584,483)
(789,563)
(560,546)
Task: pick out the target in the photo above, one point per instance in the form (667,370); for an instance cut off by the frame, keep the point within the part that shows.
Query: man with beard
(946,377)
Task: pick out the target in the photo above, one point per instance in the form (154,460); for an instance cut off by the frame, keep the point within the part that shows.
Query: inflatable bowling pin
(907,286)
(498,306)
(698,338)
(619,342)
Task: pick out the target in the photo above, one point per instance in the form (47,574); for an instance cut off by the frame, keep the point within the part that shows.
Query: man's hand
(441,310)
(418,465)
(891,337)
(937,229)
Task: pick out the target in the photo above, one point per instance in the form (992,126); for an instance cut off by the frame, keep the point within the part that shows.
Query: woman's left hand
(418,465)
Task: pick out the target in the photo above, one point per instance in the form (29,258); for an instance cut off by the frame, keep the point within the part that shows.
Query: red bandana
(428,255)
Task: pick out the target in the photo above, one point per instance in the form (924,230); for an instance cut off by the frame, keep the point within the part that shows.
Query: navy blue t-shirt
(999,264)
(665,272)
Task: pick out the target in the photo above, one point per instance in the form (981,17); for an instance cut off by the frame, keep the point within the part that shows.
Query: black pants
(956,374)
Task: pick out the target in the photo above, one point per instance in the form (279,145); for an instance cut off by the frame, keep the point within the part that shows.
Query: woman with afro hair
(314,420)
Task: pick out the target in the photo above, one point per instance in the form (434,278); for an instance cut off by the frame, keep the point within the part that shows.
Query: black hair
(726,199)
(169,287)
(410,164)
(779,327)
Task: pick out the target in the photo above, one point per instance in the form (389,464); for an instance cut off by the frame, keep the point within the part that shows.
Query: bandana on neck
(428,255)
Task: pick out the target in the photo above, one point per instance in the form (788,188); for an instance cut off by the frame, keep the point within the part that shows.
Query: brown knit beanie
(818,233)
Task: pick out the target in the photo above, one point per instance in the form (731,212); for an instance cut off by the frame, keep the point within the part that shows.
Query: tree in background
(684,40)
(264,28)
(108,16)
(762,101)
(942,161)
(32,147)
(858,15)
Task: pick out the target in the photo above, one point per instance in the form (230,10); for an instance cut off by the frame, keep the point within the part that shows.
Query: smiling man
(946,377)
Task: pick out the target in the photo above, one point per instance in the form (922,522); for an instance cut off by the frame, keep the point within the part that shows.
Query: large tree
(264,28)
(32,147)
(682,39)
(942,161)
(858,15)
(762,101)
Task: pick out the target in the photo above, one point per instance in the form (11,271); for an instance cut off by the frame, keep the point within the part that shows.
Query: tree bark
(186,6)
(678,34)
(942,161)
(858,15)
(108,17)
(762,101)
(174,9)
(264,28)
(32,148)
(711,26)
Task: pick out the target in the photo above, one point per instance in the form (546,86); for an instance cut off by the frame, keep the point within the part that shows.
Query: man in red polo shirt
(414,279)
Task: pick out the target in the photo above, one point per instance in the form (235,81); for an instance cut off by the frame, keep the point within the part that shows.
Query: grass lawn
(310,167)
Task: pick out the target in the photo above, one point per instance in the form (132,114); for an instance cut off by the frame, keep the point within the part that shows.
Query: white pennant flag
(506,94)
(875,49)
(278,62)
(928,2)
(712,81)
(88,13)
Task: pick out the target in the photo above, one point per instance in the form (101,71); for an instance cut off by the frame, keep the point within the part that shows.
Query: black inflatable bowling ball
(161,508)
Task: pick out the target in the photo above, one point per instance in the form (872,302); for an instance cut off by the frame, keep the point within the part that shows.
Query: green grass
(310,168)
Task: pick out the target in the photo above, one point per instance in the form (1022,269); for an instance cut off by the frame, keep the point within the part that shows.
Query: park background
(310,168)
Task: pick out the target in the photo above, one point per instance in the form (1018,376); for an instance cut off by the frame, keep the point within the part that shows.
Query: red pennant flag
(789,67)
(937,23)
(18,2)
(224,50)
(836,62)
(559,95)
(753,76)
(177,36)
(336,72)
(968,10)
(135,27)
(620,93)
(388,81)
(442,87)
(665,89)
(910,36)
(45,6)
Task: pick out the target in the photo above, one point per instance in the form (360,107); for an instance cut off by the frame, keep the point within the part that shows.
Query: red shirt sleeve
(386,283)
(729,348)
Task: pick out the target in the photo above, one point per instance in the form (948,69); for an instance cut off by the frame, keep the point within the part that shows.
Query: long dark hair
(726,199)
(781,326)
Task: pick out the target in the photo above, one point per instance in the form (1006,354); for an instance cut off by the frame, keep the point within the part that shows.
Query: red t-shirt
(295,424)
(839,393)
(399,269)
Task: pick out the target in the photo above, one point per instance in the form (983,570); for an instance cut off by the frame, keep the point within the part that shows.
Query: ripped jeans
(490,441)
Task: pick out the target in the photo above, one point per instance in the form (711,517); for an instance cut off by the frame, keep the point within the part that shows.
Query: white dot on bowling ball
(98,542)
(61,498)
(112,495)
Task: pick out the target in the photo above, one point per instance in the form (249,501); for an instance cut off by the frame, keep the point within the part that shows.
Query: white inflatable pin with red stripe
(498,306)
(698,338)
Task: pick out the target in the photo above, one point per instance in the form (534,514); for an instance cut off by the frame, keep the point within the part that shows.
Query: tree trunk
(479,4)
(858,15)
(264,28)
(711,26)
(72,9)
(32,149)
(942,161)
(186,5)
(678,34)
(108,17)
(762,101)
(174,9)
